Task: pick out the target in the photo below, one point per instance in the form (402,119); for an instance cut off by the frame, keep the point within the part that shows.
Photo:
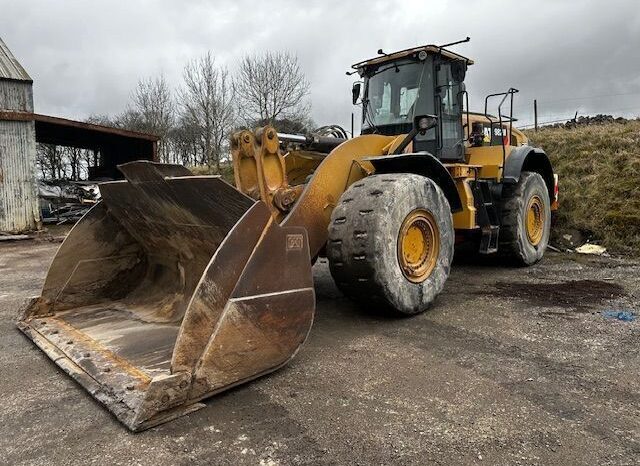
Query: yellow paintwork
(300,164)
(519,137)
(535,220)
(262,172)
(413,245)
(488,158)
(462,174)
(418,245)
(466,218)
(258,166)
(342,167)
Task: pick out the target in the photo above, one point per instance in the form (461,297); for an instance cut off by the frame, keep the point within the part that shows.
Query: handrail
(464,93)
(507,94)
(439,134)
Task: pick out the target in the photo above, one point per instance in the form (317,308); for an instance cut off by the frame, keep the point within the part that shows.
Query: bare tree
(73,158)
(186,143)
(64,162)
(89,159)
(134,120)
(101,119)
(207,106)
(49,159)
(271,86)
(153,111)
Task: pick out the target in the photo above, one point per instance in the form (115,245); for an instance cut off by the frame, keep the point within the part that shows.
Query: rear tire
(526,220)
(391,242)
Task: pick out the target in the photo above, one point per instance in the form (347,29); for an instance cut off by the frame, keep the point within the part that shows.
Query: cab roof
(431,49)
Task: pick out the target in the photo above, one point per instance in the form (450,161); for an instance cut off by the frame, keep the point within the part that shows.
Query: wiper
(367,116)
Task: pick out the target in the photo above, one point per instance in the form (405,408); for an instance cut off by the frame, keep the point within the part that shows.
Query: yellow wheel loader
(176,287)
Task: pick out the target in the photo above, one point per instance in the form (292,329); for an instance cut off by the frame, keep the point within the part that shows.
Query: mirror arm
(405,142)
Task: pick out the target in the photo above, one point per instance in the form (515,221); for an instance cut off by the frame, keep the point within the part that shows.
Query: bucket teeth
(171,289)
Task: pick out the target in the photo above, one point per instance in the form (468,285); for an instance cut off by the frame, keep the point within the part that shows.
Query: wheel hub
(535,220)
(418,245)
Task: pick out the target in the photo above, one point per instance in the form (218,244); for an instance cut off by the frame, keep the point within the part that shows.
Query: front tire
(526,220)
(391,241)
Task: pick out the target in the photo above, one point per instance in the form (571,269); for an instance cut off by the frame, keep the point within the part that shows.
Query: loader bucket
(174,287)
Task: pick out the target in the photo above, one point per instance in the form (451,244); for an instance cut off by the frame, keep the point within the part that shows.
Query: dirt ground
(511,366)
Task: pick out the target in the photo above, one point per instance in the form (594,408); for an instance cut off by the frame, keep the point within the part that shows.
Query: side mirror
(423,123)
(355,92)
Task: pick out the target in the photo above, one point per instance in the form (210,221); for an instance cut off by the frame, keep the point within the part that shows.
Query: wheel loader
(176,287)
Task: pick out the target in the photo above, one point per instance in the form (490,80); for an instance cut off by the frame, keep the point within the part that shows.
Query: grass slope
(599,170)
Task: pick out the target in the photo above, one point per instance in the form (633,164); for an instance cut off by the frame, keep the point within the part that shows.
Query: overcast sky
(86,56)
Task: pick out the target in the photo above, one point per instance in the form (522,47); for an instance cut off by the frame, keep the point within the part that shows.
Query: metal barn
(21,129)
(18,190)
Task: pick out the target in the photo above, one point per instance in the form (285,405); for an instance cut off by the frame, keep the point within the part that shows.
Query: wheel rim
(418,245)
(535,220)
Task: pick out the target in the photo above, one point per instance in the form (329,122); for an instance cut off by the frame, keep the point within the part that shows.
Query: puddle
(575,294)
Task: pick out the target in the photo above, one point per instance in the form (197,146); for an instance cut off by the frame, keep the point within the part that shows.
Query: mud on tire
(362,247)
(515,245)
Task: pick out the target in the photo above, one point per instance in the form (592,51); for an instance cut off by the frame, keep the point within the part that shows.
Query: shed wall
(19,210)
(16,95)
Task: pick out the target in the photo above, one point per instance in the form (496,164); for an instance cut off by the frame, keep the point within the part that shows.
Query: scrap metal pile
(63,201)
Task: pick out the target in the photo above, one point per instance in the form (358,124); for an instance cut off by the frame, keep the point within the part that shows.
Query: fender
(527,158)
(424,164)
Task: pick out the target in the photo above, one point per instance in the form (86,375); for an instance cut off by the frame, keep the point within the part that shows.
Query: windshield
(397,93)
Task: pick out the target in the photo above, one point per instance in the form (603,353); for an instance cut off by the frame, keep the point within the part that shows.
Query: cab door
(448,99)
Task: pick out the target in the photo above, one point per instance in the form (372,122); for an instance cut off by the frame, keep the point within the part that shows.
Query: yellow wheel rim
(535,220)
(418,245)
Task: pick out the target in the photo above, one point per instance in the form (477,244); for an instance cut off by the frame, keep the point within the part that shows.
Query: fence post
(535,114)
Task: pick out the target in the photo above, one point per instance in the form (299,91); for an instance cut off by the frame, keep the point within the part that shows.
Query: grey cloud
(85,57)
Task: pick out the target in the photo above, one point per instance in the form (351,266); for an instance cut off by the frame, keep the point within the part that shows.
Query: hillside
(599,170)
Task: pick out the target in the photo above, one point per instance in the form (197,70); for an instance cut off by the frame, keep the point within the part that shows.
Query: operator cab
(427,80)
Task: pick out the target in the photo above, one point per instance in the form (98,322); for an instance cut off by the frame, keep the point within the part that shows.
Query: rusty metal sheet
(138,401)
(256,335)
(97,240)
(268,316)
(19,210)
(217,284)
(170,280)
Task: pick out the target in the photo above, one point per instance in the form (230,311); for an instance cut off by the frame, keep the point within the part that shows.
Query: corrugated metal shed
(18,190)
(10,68)
(20,128)
(16,91)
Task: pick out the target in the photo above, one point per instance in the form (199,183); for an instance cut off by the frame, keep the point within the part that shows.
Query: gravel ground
(511,366)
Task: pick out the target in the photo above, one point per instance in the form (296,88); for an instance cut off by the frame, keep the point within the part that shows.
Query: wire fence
(534,117)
